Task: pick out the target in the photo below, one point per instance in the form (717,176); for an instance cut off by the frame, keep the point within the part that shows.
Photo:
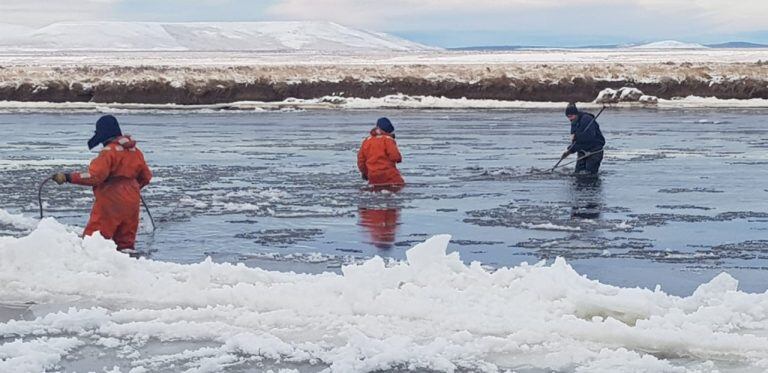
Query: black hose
(143,202)
(40,203)
(40,195)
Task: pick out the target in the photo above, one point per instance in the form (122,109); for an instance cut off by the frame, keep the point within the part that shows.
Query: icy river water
(680,199)
(682,195)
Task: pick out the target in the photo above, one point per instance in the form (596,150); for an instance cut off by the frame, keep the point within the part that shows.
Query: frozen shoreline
(387,102)
(99,58)
(203,78)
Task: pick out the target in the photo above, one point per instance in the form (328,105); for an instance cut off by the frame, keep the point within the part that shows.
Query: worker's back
(378,157)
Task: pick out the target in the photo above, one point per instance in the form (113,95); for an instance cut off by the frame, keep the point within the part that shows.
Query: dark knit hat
(106,128)
(385,125)
(571,109)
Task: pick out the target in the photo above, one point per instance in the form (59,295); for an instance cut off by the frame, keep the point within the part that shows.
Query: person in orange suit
(379,155)
(117,176)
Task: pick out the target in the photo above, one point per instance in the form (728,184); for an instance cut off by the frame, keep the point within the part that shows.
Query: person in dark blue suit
(586,140)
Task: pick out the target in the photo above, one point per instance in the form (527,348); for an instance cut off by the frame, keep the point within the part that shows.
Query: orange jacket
(117,175)
(378,157)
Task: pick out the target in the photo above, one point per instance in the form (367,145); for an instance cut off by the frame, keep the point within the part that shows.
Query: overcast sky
(447,23)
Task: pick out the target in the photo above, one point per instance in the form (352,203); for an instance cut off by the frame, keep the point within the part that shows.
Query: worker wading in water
(586,140)
(378,157)
(117,176)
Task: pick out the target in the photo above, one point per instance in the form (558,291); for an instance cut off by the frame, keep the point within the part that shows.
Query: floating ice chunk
(17,220)
(36,355)
(551,227)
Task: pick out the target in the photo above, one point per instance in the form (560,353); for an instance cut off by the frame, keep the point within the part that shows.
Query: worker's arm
(393,153)
(145,174)
(361,159)
(98,171)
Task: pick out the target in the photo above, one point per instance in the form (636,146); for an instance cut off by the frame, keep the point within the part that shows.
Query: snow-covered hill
(670,44)
(205,36)
(8,31)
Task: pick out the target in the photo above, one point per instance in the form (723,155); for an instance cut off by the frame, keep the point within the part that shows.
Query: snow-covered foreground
(431,312)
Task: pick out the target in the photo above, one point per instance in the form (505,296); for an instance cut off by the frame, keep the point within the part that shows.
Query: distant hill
(669,44)
(526,47)
(494,48)
(204,36)
(737,45)
(8,30)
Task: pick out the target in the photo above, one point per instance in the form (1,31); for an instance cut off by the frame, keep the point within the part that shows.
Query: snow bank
(398,101)
(208,77)
(694,102)
(625,95)
(401,101)
(431,312)
(18,221)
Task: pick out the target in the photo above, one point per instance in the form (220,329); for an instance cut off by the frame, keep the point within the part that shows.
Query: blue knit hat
(106,128)
(385,125)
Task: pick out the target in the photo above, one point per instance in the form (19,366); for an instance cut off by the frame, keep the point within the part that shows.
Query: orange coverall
(117,175)
(377,159)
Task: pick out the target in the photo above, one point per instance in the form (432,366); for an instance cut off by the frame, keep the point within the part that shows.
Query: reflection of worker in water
(587,197)
(381,224)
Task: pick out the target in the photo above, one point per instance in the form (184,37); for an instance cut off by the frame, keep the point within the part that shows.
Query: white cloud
(724,15)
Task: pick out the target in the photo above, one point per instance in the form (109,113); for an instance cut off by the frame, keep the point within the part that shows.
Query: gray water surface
(681,196)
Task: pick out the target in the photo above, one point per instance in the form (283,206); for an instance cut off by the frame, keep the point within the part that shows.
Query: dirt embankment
(212,85)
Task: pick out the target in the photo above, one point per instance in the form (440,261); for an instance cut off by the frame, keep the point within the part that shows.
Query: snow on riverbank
(431,312)
(387,102)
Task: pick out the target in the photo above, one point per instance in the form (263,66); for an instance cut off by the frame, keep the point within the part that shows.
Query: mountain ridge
(206,36)
(725,45)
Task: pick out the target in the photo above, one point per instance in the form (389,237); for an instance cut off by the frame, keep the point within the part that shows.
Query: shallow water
(680,199)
